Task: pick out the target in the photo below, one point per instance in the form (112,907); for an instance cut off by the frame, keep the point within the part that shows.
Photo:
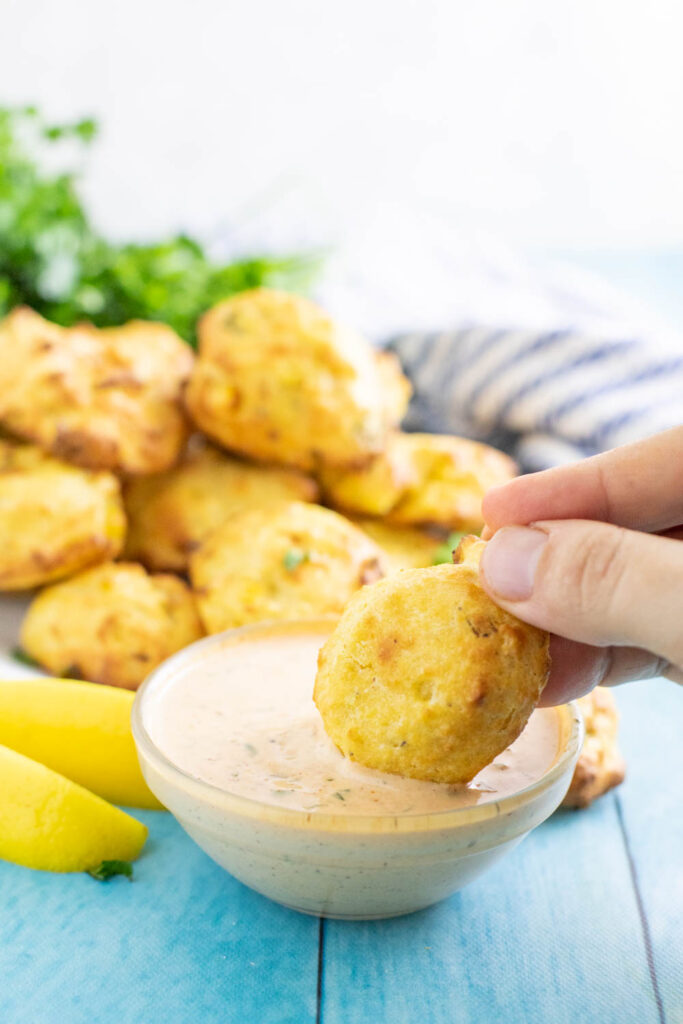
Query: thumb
(591,582)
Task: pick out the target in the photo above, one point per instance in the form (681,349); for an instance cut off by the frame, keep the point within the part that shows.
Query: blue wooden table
(581,924)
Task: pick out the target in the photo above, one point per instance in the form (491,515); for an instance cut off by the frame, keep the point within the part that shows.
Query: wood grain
(581,923)
(183,944)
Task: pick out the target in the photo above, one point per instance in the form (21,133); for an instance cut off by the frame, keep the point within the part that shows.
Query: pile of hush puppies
(152,496)
(157,495)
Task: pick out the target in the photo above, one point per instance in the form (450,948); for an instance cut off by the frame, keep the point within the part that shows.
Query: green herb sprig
(110,869)
(20,655)
(53,259)
(444,553)
(293,558)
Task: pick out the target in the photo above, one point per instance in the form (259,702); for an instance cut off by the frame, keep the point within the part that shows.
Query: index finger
(639,486)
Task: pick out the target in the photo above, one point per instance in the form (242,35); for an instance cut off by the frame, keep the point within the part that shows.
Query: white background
(548,123)
(553,124)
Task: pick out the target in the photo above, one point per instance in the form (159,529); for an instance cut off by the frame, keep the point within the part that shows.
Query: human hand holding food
(592,552)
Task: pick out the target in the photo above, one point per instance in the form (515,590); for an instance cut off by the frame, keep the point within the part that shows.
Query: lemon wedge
(81,730)
(50,823)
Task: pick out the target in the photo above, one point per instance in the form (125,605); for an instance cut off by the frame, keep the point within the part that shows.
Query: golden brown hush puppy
(426,677)
(600,766)
(55,519)
(376,488)
(395,386)
(295,562)
(112,624)
(404,547)
(103,399)
(281,382)
(169,514)
(422,479)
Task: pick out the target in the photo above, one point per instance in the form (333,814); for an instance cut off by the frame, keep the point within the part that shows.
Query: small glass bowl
(354,867)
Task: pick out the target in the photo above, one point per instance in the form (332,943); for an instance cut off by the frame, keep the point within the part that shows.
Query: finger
(639,486)
(576,669)
(591,582)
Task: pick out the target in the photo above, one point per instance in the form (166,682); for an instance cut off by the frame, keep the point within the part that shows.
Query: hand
(593,553)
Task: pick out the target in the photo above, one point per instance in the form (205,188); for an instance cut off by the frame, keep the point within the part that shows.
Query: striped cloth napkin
(546,397)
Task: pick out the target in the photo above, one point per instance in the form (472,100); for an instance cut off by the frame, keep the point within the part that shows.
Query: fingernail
(509,561)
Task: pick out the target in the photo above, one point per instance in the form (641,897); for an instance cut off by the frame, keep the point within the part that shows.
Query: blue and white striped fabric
(546,397)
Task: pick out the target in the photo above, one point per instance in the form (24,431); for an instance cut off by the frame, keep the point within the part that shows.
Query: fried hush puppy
(404,547)
(426,677)
(55,519)
(422,479)
(102,399)
(377,488)
(112,624)
(600,766)
(279,381)
(297,562)
(170,514)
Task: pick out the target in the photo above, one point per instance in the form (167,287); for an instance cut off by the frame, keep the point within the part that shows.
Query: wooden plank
(652,813)
(184,943)
(551,936)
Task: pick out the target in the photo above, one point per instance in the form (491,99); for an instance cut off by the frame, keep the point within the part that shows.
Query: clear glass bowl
(341,865)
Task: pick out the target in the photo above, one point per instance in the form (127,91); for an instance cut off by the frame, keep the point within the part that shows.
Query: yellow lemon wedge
(50,823)
(81,730)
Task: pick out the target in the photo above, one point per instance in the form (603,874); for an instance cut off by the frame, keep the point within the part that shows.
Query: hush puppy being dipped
(295,562)
(170,514)
(102,399)
(426,677)
(112,624)
(280,381)
(55,519)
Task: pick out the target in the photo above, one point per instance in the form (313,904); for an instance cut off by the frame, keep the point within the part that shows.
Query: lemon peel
(52,824)
(81,730)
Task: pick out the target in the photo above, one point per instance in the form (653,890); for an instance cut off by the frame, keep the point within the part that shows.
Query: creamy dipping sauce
(241,717)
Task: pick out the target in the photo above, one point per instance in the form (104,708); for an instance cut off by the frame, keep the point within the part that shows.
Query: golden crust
(600,766)
(281,382)
(103,399)
(297,562)
(425,676)
(55,519)
(375,489)
(404,547)
(395,387)
(112,624)
(422,479)
(170,514)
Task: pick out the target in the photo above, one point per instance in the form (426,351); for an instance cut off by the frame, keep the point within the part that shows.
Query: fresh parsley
(444,553)
(110,868)
(53,258)
(293,558)
(20,655)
